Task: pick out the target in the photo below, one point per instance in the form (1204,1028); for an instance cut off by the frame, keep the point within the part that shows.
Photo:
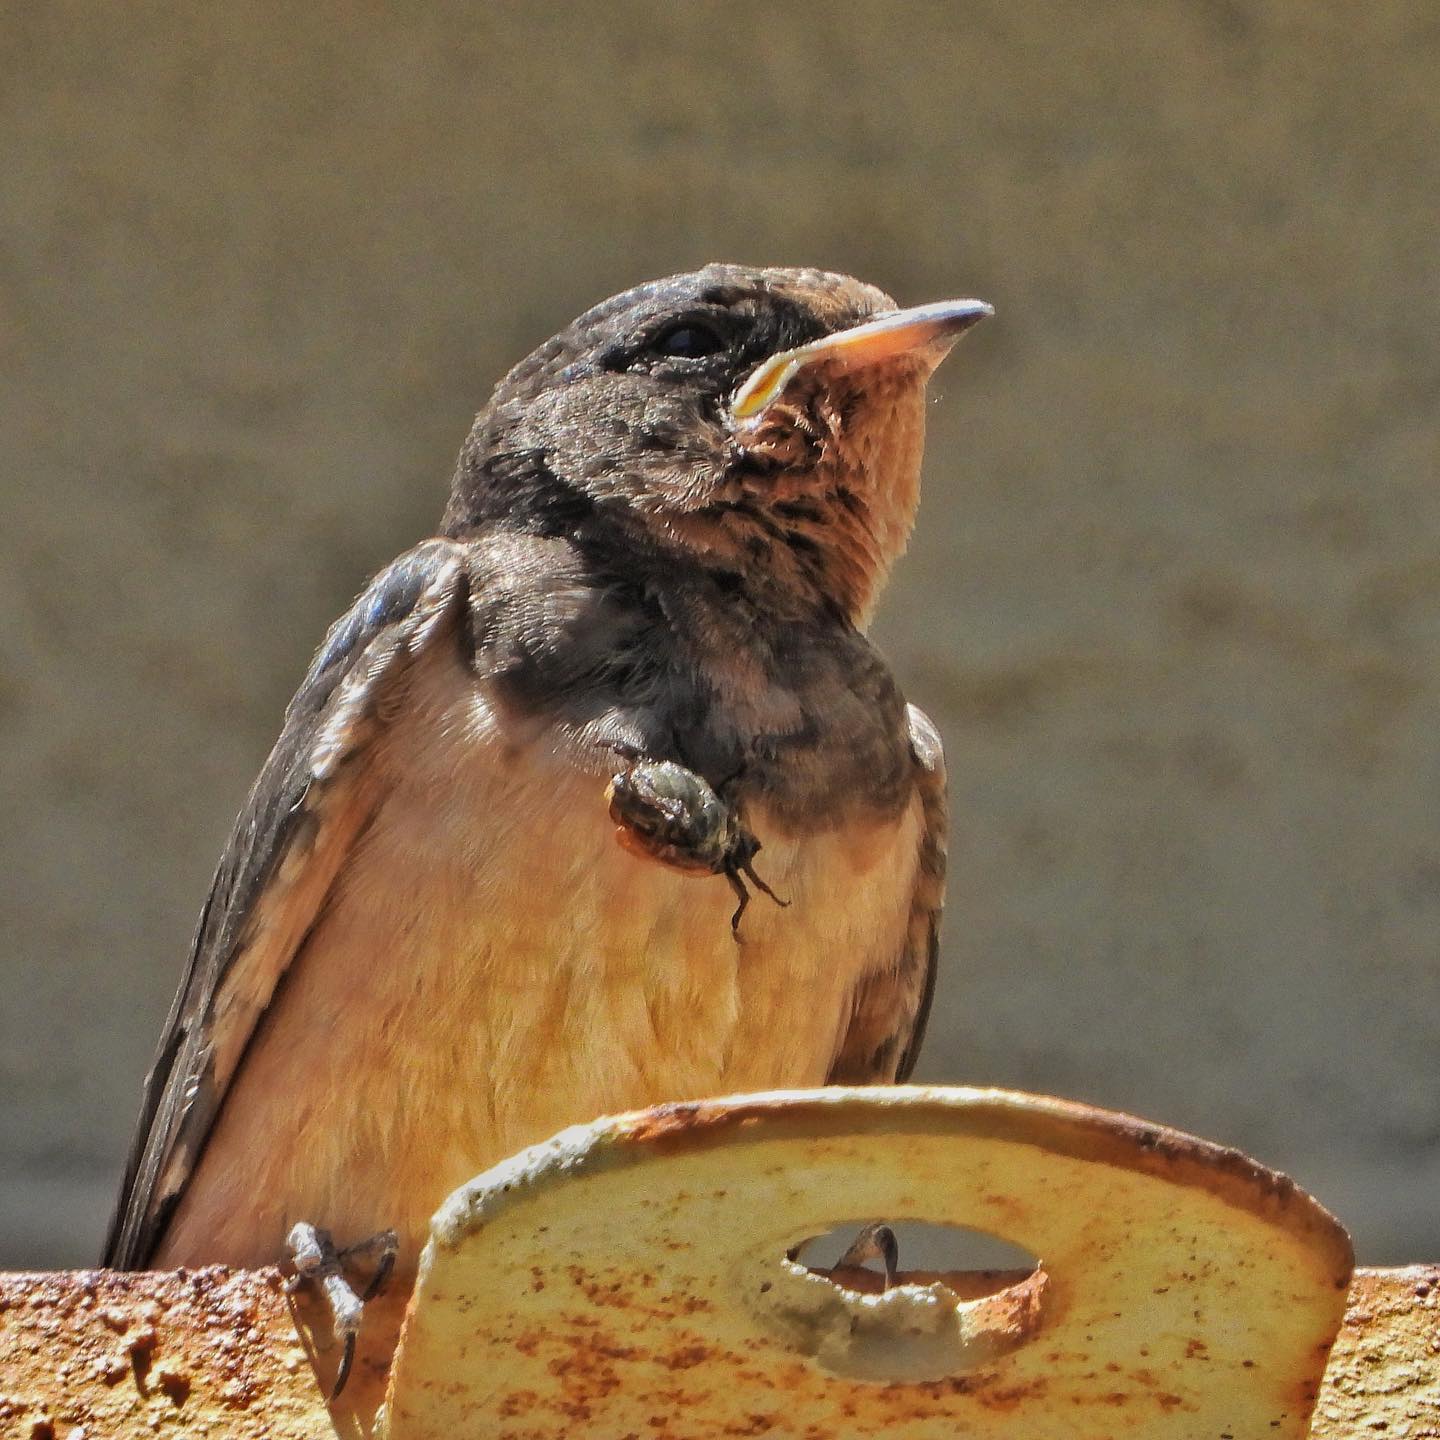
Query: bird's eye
(687,341)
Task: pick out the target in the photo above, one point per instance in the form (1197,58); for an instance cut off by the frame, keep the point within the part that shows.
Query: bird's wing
(890,1006)
(310,804)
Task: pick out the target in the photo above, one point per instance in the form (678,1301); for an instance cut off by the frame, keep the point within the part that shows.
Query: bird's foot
(666,812)
(874,1242)
(316,1259)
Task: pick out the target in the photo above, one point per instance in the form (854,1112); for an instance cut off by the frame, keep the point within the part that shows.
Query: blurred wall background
(1174,599)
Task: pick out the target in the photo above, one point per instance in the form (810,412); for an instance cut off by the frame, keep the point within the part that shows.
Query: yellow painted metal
(630,1278)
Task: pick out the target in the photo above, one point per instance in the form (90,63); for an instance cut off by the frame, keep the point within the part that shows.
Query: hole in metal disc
(971,1262)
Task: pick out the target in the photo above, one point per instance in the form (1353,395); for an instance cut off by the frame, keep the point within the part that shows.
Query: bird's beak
(922,328)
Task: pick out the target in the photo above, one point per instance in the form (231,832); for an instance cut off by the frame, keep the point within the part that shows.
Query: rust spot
(686,1358)
(517,1402)
(665,1123)
(1009,1397)
(752,1425)
(174,1384)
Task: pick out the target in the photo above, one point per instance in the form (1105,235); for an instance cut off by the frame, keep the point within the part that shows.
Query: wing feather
(308,807)
(891,1006)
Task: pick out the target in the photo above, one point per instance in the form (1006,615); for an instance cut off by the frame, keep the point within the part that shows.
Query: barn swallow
(496,875)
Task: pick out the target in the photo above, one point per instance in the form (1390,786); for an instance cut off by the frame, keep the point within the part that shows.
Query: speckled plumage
(424,947)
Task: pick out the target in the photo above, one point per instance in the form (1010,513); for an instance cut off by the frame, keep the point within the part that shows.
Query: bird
(598,798)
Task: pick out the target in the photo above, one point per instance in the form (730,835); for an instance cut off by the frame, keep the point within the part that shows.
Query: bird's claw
(666,812)
(317,1260)
(383,1247)
(874,1242)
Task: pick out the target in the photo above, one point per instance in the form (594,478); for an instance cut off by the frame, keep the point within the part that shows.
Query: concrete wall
(1175,597)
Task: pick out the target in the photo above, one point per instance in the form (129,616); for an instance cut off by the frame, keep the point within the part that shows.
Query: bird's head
(766,425)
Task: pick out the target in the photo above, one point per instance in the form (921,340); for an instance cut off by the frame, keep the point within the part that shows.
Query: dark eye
(687,341)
